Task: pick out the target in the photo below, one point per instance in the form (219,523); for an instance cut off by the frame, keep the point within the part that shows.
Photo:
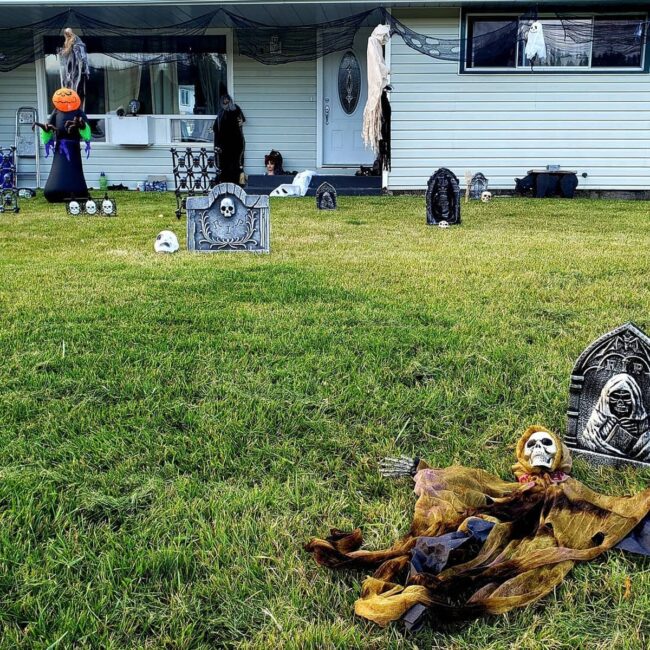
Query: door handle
(327,114)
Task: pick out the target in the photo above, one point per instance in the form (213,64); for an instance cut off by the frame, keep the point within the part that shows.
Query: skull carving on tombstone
(227,207)
(540,450)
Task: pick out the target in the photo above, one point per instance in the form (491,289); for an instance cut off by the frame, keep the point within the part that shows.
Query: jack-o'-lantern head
(66,99)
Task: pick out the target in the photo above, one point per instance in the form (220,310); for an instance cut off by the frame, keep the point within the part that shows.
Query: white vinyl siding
(17,88)
(279,102)
(505,124)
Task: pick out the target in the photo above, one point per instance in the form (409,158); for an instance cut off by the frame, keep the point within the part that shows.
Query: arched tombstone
(477,185)
(609,399)
(326,197)
(443,198)
(227,220)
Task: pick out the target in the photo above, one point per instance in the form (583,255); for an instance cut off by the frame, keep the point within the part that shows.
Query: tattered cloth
(480,545)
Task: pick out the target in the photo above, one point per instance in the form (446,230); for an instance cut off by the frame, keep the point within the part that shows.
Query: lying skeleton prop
(480,545)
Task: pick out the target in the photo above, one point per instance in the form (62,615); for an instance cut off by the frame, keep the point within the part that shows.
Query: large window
(582,43)
(170,83)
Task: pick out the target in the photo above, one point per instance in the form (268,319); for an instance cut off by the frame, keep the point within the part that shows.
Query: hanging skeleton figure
(73,64)
(535,44)
(480,545)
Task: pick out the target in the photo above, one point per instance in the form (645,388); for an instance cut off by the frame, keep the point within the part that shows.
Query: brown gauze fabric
(543,524)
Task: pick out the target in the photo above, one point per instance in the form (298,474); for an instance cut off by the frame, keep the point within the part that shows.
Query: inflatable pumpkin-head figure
(66,99)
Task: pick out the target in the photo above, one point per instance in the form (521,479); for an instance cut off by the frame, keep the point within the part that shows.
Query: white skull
(108,207)
(166,242)
(486,196)
(443,224)
(540,450)
(90,207)
(227,207)
(74,207)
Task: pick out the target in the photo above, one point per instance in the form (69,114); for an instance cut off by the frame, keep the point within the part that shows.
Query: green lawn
(174,428)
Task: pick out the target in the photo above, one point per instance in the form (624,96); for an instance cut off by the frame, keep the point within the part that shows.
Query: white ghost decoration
(540,450)
(166,242)
(535,43)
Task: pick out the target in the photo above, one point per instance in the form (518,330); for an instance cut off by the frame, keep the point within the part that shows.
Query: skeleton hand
(398,467)
(77,123)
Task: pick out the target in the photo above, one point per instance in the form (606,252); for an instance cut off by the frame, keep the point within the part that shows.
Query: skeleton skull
(443,224)
(540,450)
(91,207)
(227,208)
(166,242)
(108,207)
(486,196)
(74,207)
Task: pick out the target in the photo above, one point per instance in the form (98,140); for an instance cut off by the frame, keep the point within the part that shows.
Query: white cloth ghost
(535,43)
(377,80)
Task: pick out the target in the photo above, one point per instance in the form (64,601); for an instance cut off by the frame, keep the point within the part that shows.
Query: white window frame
(44,108)
(522,69)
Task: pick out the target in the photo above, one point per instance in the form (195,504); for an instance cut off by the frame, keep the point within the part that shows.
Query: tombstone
(443,198)
(227,220)
(477,185)
(326,197)
(609,399)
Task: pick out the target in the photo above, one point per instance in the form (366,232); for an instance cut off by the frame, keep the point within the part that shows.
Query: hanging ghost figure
(73,64)
(535,43)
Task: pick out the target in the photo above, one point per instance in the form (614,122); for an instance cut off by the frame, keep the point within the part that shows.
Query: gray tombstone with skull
(227,220)
(326,197)
(609,399)
(443,198)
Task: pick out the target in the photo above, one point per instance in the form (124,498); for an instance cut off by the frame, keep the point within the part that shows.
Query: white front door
(345,90)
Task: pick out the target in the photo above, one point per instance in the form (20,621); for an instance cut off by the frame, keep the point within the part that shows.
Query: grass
(174,428)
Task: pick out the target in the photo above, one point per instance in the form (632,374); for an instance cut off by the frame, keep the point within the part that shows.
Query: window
(582,43)
(492,42)
(186,79)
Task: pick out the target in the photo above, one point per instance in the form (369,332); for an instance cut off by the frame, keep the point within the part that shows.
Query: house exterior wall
(17,88)
(279,103)
(506,124)
(500,124)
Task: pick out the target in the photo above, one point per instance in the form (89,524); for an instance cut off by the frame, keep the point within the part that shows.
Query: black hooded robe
(229,138)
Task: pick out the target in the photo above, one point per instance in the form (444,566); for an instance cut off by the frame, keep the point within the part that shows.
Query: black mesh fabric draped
(272,45)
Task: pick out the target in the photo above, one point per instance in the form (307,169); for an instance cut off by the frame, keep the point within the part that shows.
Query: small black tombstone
(609,399)
(326,197)
(443,198)
(477,185)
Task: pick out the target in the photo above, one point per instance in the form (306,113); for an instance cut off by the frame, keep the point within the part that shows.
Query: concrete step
(344,185)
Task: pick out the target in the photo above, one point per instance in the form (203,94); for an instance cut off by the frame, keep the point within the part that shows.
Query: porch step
(344,185)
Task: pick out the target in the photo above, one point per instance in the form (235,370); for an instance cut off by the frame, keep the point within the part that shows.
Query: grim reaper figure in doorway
(229,141)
